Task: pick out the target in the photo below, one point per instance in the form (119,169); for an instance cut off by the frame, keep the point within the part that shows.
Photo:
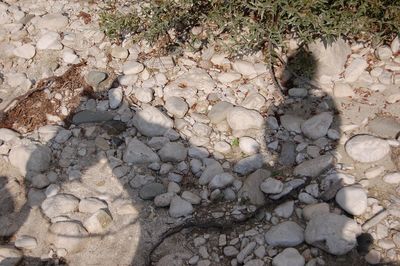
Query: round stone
(352,199)
(367,148)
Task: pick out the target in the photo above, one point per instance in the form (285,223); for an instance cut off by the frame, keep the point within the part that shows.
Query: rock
(69,235)
(240,118)
(26,51)
(254,101)
(209,172)
(176,106)
(285,234)
(151,122)
(298,92)
(87,116)
(249,145)
(249,164)
(288,257)
(173,152)
(119,52)
(144,95)
(373,257)
(7,134)
(138,153)
(94,78)
(59,204)
(132,67)
(91,205)
(9,256)
(384,127)
(230,251)
(392,178)
(315,209)
(246,251)
(245,68)
(342,89)
(314,167)
(191,197)
(222,147)
(285,210)
(115,97)
(163,200)
(336,234)
(179,207)
(291,123)
(25,242)
(221,181)
(151,190)
(98,222)
(219,111)
(287,188)
(287,156)
(229,77)
(317,126)
(195,78)
(271,186)
(352,199)
(367,148)
(395,45)
(55,22)
(49,41)
(30,158)
(383,52)
(355,69)
(251,187)
(40,181)
(330,57)
(198,152)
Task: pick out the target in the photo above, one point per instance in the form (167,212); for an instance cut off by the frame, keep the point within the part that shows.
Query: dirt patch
(52,101)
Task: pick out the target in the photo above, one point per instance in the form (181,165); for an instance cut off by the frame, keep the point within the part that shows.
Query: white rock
(367,148)
(49,41)
(245,68)
(254,101)
(145,95)
(26,242)
(240,118)
(115,97)
(333,233)
(342,89)
(10,256)
(373,257)
(119,52)
(91,205)
(7,134)
(355,69)
(315,209)
(152,122)
(317,126)
(288,257)
(222,147)
(221,181)
(392,178)
(176,106)
(352,199)
(196,78)
(98,222)
(30,158)
(384,52)
(285,234)
(219,112)
(179,207)
(229,77)
(69,235)
(55,22)
(271,186)
(132,67)
(26,51)
(59,204)
(374,172)
(249,145)
(395,45)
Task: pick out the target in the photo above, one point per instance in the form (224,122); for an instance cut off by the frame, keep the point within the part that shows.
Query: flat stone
(219,111)
(152,122)
(291,123)
(94,78)
(271,186)
(59,204)
(314,209)
(367,148)
(138,153)
(150,191)
(355,69)
(49,41)
(317,126)
(91,205)
(191,197)
(87,116)
(240,118)
(173,152)
(342,89)
(352,199)
(115,97)
(176,106)
(132,67)
(285,210)
(25,242)
(392,178)
(287,156)
(163,200)
(9,256)
(180,207)
(55,22)
(26,51)
(249,145)
(254,101)
(30,158)
(251,187)
(384,127)
(98,222)
(288,257)
(285,234)
(314,167)
(245,68)
(221,181)
(249,164)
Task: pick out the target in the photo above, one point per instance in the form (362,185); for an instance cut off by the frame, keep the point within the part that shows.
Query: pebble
(132,67)
(288,256)
(285,210)
(152,122)
(285,234)
(26,51)
(314,209)
(314,167)
(392,178)
(352,199)
(94,78)
(317,126)
(246,251)
(221,181)
(240,118)
(151,190)
(68,235)
(49,41)
(245,68)
(291,123)
(355,69)
(249,164)
(115,97)
(191,197)
(230,251)
(249,145)
(138,153)
(383,52)
(30,158)
(98,222)
(176,106)
(91,205)
(373,257)
(271,186)
(173,152)
(367,148)
(25,242)
(342,90)
(59,204)
(180,207)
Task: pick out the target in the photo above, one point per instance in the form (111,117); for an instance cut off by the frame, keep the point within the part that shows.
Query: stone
(314,167)
(342,89)
(87,116)
(335,234)
(373,257)
(138,153)
(198,152)
(254,101)
(49,41)
(98,222)
(209,172)
(384,127)
(271,186)
(54,22)
(59,204)
(163,200)
(173,152)
(132,67)
(248,145)
(314,209)
(222,147)
(176,106)
(119,52)
(291,122)
(30,158)
(392,178)
(221,181)
(152,122)
(298,92)
(144,95)
(240,118)
(353,199)
(355,69)
(69,235)
(395,45)
(40,181)
(151,190)
(7,134)
(251,187)
(91,205)
(197,79)
(383,52)
(285,210)
(246,251)
(245,68)
(219,111)
(285,234)
(249,164)
(317,126)
(94,78)
(287,156)
(115,97)
(230,251)
(174,259)
(26,51)
(367,148)
(25,242)
(288,257)
(180,207)
(191,197)
(10,256)
(228,77)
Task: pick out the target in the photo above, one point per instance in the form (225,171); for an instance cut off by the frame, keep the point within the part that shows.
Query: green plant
(235,142)
(246,26)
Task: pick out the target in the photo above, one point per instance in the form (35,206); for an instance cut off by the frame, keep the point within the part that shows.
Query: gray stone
(352,199)
(249,145)
(40,181)
(287,188)
(221,181)
(209,172)
(291,122)
(240,118)
(298,92)
(219,112)
(251,187)
(367,148)
(314,167)
(287,156)
(30,158)
(115,97)
(191,197)
(384,127)
(271,186)
(94,78)
(246,251)
(336,234)
(59,204)
(180,207)
(87,116)
(152,122)
(152,190)
(173,152)
(317,126)
(288,257)
(310,210)
(249,164)
(138,153)
(285,210)
(230,251)
(285,234)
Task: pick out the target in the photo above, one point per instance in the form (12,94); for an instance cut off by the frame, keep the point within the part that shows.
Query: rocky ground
(100,159)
